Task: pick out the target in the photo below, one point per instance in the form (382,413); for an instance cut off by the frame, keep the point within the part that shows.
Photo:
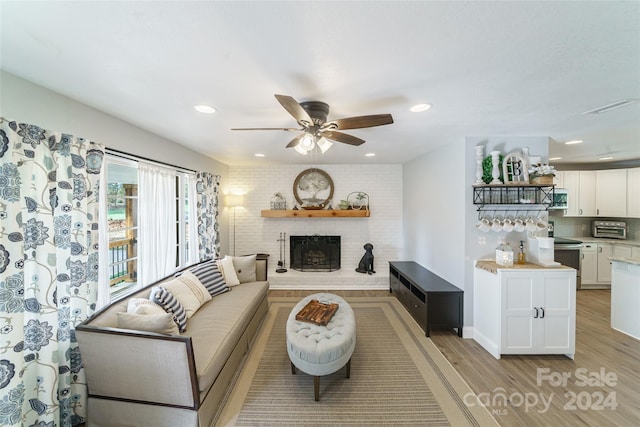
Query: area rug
(398,377)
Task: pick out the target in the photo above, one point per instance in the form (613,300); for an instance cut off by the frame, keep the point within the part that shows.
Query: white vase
(479,158)
(495,171)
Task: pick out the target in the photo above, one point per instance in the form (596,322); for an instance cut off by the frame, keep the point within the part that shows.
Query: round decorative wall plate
(313,189)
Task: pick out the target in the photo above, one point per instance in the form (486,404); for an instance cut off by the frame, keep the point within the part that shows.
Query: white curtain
(157,204)
(193,256)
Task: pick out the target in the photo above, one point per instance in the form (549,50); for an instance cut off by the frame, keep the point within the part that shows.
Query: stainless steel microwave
(560,198)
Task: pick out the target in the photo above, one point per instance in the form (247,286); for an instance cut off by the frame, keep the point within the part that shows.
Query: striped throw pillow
(210,276)
(164,299)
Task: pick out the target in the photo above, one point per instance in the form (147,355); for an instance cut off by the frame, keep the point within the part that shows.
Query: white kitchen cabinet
(611,193)
(570,183)
(525,311)
(587,193)
(581,190)
(633,193)
(558,179)
(625,296)
(605,251)
(589,264)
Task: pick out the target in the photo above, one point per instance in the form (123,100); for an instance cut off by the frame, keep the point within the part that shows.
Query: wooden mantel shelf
(320,213)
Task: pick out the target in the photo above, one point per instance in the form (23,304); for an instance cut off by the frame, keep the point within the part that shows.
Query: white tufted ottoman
(321,350)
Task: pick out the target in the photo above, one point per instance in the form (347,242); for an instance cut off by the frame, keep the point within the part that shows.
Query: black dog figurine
(366,263)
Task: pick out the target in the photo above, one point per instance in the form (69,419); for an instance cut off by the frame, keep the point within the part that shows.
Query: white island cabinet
(625,295)
(525,309)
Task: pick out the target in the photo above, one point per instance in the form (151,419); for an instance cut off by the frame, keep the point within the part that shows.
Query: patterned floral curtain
(208,188)
(48,272)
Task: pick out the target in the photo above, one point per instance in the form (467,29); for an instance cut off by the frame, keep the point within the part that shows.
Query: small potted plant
(541,174)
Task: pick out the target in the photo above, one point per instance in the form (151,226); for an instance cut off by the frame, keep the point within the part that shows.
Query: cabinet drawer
(418,310)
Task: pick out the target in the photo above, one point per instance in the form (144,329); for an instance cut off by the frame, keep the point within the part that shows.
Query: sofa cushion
(143,306)
(158,323)
(245,267)
(163,298)
(228,271)
(189,291)
(211,277)
(217,327)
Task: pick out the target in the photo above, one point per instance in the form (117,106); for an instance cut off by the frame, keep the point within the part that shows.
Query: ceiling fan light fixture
(324,144)
(300,150)
(307,142)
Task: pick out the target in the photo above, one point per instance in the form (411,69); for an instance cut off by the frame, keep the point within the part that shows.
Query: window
(123,223)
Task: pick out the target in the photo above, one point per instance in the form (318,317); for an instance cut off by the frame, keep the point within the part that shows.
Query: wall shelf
(319,213)
(513,199)
(513,195)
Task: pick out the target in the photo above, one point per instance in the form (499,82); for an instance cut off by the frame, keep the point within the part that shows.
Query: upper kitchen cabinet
(581,188)
(611,192)
(602,193)
(633,193)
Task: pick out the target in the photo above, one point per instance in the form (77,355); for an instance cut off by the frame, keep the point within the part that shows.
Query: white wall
(439,215)
(27,102)
(434,231)
(383,184)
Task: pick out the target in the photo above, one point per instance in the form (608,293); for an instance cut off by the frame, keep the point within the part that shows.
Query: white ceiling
(488,68)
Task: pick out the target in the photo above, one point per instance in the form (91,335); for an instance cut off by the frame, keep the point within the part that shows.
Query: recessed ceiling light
(205,109)
(370,154)
(554,158)
(606,158)
(259,155)
(612,106)
(575,141)
(420,108)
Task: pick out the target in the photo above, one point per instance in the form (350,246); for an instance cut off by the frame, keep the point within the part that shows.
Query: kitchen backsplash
(567,227)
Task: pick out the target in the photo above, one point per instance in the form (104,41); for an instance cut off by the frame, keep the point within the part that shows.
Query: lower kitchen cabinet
(596,265)
(525,311)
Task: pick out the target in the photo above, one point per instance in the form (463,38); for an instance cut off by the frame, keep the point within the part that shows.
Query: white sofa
(138,378)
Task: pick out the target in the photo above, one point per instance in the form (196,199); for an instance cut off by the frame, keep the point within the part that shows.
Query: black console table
(432,301)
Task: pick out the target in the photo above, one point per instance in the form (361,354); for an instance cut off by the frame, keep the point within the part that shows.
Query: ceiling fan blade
(295,141)
(342,137)
(284,129)
(295,109)
(363,121)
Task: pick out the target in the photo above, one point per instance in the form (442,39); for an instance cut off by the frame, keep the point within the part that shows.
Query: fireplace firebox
(315,253)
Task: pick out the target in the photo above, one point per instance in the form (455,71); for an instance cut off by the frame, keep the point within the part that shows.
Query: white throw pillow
(245,267)
(143,306)
(158,323)
(228,271)
(189,291)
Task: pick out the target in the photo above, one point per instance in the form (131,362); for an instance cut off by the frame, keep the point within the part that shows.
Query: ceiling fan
(316,130)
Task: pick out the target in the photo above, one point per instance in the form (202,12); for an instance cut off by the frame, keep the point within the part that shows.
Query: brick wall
(383,184)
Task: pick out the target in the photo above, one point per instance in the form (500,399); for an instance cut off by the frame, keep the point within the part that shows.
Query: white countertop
(588,239)
(635,261)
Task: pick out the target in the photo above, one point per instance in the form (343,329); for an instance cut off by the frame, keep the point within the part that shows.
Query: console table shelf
(315,213)
(432,301)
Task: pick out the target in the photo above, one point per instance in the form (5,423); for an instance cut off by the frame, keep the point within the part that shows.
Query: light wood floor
(600,352)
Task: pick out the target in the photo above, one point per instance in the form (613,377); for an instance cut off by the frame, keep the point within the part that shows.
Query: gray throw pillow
(245,267)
